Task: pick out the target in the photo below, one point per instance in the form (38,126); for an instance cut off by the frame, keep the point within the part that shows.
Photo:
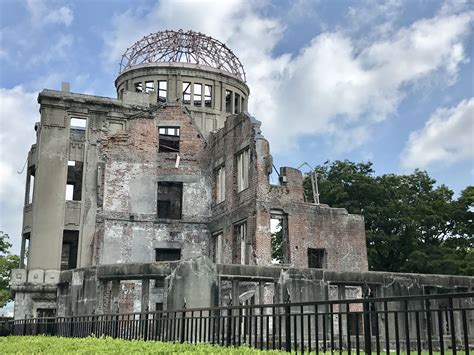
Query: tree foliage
(411,224)
(7,263)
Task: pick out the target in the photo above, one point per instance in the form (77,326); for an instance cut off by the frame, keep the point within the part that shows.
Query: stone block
(51,277)
(18,276)
(36,276)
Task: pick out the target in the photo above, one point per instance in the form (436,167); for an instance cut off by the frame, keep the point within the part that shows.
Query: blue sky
(385,81)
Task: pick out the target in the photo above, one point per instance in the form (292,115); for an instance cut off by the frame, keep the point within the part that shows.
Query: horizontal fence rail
(433,323)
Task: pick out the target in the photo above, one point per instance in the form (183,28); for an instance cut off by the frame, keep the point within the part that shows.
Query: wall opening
(236,103)
(228,102)
(162,91)
(168,139)
(186,93)
(69,250)
(317,258)
(74,181)
(208,96)
(243,160)
(167,254)
(138,87)
(220,184)
(25,248)
(30,184)
(170,196)
(158,306)
(149,86)
(279,237)
(216,252)
(240,232)
(77,131)
(197,94)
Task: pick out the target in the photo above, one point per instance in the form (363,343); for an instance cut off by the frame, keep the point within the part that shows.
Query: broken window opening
(167,254)
(241,239)
(186,93)
(149,86)
(30,185)
(279,237)
(208,96)
(228,98)
(170,196)
(217,248)
(138,87)
(158,306)
(317,258)
(220,184)
(162,91)
(243,170)
(78,123)
(74,181)
(25,248)
(242,107)
(168,139)
(236,103)
(159,283)
(69,250)
(197,94)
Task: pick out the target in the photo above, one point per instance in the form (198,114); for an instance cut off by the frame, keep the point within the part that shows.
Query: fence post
(288,325)
(229,323)
(183,317)
(367,332)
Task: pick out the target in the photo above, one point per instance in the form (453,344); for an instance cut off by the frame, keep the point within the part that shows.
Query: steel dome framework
(182,47)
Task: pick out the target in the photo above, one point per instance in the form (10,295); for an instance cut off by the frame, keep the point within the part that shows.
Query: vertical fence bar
(348,329)
(287,329)
(465,331)
(440,331)
(418,332)
(367,333)
(451,325)
(386,330)
(331,315)
(407,328)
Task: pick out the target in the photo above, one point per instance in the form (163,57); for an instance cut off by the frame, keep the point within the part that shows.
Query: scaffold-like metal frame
(182,47)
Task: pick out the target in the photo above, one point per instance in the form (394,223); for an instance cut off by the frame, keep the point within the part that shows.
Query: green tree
(7,263)
(411,225)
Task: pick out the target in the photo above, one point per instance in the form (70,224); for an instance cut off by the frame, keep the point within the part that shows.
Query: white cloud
(47,13)
(18,113)
(333,87)
(446,138)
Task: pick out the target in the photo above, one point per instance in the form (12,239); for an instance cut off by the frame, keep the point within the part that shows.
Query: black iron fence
(441,323)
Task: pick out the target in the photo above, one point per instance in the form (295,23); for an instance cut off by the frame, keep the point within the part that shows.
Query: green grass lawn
(57,345)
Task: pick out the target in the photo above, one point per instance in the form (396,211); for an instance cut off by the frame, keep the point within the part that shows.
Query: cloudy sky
(385,81)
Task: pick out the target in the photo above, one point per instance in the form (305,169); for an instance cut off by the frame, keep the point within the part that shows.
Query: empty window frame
(158,306)
(243,160)
(69,250)
(228,101)
(138,87)
(236,103)
(162,91)
(197,94)
(208,96)
(25,247)
(186,93)
(220,184)
(242,106)
(149,86)
(317,258)
(170,196)
(74,181)
(78,123)
(167,254)
(279,237)
(241,239)
(30,185)
(168,139)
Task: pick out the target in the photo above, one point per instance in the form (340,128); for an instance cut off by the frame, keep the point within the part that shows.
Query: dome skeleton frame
(182,47)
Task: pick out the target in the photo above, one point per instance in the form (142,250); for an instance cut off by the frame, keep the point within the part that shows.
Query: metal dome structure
(182,47)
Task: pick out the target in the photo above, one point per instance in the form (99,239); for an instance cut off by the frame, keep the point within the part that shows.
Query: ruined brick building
(120,190)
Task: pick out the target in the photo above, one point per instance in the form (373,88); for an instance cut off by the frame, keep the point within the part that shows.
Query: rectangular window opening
(30,185)
(197,94)
(217,248)
(243,160)
(25,251)
(78,123)
(241,239)
(236,103)
(158,306)
(186,93)
(162,91)
(74,181)
(168,139)
(317,258)
(208,96)
(220,184)
(149,86)
(170,196)
(138,87)
(167,254)
(69,250)
(279,237)
(228,98)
